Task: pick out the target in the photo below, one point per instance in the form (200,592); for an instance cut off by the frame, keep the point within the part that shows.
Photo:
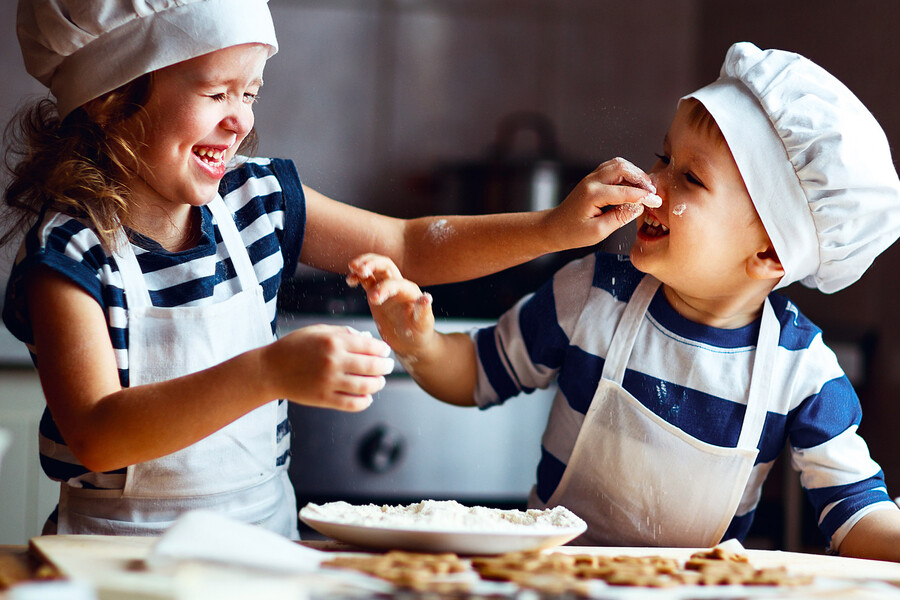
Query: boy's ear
(765,264)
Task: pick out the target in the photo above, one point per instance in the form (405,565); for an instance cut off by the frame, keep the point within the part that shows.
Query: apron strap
(134,286)
(240,258)
(760,379)
(626,331)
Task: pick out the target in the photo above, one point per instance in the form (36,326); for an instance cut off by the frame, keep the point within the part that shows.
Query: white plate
(460,542)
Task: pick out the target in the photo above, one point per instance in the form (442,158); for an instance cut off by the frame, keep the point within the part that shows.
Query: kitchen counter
(115,565)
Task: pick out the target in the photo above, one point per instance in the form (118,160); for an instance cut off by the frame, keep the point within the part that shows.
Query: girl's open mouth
(212,159)
(652,228)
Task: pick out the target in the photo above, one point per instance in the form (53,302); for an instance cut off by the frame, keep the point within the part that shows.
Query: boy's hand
(581,219)
(402,312)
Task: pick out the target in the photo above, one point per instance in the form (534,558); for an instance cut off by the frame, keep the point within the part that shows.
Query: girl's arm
(108,427)
(431,250)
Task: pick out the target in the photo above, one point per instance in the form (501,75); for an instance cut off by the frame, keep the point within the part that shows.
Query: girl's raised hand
(327,366)
(585,218)
(402,312)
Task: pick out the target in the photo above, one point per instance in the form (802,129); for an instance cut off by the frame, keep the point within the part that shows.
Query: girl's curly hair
(81,165)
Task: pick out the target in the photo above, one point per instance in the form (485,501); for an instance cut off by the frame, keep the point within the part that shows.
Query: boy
(681,376)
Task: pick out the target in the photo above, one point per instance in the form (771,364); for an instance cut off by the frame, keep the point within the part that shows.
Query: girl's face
(200,111)
(701,238)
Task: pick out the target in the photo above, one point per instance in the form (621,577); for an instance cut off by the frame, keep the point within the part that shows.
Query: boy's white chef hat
(81,49)
(815,162)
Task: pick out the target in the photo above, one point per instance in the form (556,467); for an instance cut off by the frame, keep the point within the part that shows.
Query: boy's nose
(660,182)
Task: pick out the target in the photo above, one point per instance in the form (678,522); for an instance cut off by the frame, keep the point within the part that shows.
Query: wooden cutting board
(115,565)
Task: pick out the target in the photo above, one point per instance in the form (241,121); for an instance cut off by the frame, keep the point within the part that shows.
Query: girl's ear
(765,264)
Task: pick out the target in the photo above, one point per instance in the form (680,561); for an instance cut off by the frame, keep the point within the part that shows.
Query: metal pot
(511,177)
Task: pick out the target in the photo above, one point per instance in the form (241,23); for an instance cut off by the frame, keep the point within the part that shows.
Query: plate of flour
(443,526)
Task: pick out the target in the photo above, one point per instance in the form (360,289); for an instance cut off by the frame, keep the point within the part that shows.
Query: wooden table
(115,562)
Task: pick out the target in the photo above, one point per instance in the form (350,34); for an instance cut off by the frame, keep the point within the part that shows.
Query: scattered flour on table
(444,515)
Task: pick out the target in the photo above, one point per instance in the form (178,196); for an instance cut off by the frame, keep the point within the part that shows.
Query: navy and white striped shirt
(693,376)
(269,209)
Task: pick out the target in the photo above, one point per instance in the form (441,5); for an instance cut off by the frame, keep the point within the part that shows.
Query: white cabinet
(27,496)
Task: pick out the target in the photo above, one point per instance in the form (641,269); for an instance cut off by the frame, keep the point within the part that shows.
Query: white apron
(231,471)
(640,481)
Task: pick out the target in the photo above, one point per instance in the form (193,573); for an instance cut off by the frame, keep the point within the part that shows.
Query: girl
(146,284)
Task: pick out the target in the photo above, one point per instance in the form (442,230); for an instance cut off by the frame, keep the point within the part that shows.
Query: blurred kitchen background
(413,107)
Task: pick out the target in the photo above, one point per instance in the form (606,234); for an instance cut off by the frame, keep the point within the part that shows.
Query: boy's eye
(662,158)
(693,180)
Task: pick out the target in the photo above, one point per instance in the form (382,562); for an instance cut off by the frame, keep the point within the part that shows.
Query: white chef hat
(81,49)
(815,162)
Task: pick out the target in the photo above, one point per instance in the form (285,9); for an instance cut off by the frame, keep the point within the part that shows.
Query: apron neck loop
(621,346)
(133,278)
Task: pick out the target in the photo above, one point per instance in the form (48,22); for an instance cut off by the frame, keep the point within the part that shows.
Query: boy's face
(199,112)
(699,241)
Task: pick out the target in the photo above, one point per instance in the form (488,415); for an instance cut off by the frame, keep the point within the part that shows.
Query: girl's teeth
(209,153)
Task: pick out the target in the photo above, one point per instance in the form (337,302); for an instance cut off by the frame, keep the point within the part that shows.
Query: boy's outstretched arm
(875,536)
(443,365)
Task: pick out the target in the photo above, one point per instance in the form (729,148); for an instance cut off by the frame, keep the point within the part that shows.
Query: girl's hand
(327,366)
(581,219)
(402,312)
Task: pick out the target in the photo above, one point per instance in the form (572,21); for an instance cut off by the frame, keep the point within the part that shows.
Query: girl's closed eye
(248,97)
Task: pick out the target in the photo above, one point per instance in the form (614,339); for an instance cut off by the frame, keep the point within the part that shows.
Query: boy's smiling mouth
(652,228)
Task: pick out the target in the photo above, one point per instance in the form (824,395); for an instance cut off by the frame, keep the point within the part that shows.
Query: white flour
(444,515)
(440,230)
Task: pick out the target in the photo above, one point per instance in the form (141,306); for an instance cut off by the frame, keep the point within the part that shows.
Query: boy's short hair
(815,161)
(701,119)
(81,50)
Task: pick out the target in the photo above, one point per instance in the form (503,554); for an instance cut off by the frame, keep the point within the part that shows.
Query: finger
(620,171)
(402,290)
(422,306)
(374,265)
(357,385)
(350,403)
(614,219)
(368,346)
(366,365)
(626,213)
(622,194)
